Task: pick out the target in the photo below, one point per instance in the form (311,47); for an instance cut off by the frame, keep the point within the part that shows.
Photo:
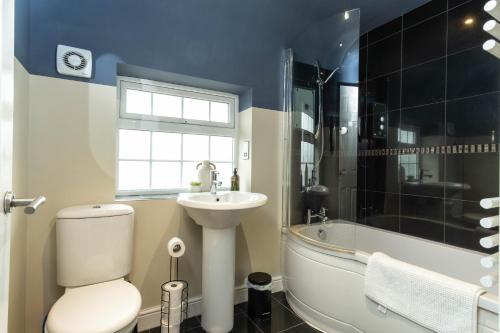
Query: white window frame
(152,123)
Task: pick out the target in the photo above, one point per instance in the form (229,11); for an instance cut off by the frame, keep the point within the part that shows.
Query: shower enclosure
(321,122)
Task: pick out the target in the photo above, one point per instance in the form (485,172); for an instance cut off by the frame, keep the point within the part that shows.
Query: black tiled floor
(282,319)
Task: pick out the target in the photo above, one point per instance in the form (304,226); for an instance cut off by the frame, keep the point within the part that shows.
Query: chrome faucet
(321,216)
(214,182)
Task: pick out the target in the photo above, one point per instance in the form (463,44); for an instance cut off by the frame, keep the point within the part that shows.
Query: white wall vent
(73,61)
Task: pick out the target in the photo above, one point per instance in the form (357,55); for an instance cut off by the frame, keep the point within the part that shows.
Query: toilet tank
(94,243)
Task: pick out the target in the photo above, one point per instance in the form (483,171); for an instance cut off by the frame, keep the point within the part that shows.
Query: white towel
(432,300)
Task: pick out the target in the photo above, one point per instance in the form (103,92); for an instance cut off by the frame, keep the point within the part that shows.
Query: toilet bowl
(107,307)
(94,253)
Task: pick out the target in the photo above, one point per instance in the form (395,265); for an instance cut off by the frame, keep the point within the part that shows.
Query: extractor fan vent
(73,61)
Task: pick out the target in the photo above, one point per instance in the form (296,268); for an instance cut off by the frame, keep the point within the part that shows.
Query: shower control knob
(382,118)
(381,127)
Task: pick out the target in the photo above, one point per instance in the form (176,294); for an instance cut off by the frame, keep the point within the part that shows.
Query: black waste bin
(259,294)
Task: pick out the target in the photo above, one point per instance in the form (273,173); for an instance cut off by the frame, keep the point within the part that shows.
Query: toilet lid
(99,308)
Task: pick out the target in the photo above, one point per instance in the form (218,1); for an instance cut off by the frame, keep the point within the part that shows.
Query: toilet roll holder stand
(168,323)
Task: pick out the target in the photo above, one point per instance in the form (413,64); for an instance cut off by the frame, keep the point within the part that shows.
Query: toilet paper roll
(170,329)
(176,247)
(174,289)
(173,318)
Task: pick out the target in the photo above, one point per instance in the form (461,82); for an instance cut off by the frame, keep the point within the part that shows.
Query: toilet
(94,254)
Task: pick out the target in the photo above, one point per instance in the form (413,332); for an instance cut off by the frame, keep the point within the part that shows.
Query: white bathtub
(324,278)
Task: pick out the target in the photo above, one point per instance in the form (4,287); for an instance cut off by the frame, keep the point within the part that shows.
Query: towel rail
(491,261)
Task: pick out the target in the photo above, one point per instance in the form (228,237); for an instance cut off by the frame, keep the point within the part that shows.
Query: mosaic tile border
(432,150)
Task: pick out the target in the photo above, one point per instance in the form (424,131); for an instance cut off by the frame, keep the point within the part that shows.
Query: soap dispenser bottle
(235,181)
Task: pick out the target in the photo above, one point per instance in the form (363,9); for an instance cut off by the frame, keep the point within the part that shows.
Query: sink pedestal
(218,279)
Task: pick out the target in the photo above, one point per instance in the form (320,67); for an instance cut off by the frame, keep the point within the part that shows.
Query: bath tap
(321,215)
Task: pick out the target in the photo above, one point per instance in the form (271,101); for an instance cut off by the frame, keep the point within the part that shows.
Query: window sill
(146,197)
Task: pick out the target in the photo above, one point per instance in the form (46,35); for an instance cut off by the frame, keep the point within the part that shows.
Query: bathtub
(324,266)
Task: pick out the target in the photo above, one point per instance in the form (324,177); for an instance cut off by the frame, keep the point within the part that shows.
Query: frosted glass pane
(134,144)
(196,109)
(138,102)
(219,112)
(189,173)
(133,175)
(221,149)
(166,146)
(225,173)
(165,175)
(195,147)
(167,106)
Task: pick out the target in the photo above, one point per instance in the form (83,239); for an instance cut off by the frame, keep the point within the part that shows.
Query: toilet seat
(106,307)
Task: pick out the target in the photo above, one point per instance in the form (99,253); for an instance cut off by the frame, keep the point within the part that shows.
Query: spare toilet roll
(174,318)
(174,288)
(176,247)
(170,329)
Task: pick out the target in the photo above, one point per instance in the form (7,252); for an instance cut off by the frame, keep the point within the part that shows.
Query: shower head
(319,80)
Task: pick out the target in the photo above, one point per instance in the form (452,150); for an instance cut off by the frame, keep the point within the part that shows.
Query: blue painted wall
(233,41)
(21,31)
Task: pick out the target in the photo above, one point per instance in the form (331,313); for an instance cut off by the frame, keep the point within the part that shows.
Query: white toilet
(94,253)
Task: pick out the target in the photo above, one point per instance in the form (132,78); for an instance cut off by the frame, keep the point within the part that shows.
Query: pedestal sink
(219,214)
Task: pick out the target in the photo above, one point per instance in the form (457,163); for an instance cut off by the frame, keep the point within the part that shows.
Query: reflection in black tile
(472,176)
(376,126)
(424,126)
(361,206)
(385,30)
(281,319)
(385,90)
(472,72)
(424,84)
(384,57)
(382,174)
(422,217)
(462,225)
(393,128)
(473,120)
(429,36)
(361,176)
(382,210)
(422,174)
(465,26)
(424,12)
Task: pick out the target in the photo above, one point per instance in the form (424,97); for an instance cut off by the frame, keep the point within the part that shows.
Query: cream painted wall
(72,160)
(19,185)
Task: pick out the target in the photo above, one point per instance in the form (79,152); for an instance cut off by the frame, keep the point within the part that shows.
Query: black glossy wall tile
(424,12)
(422,217)
(382,174)
(385,90)
(426,125)
(382,210)
(473,120)
(448,95)
(424,84)
(454,3)
(425,41)
(361,206)
(462,226)
(465,26)
(385,30)
(363,41)
(472,72)
(363,58)
(472,176)
(384,56)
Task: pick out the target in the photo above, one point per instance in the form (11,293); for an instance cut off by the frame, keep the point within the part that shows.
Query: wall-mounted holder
(489,242)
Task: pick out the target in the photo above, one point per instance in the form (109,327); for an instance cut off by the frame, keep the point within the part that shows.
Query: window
(166,130)
(408,162)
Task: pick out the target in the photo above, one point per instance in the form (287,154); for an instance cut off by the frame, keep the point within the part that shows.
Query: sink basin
(221,210)
(219,214)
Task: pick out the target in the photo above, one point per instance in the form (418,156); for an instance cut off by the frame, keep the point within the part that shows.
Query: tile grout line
(445,119)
